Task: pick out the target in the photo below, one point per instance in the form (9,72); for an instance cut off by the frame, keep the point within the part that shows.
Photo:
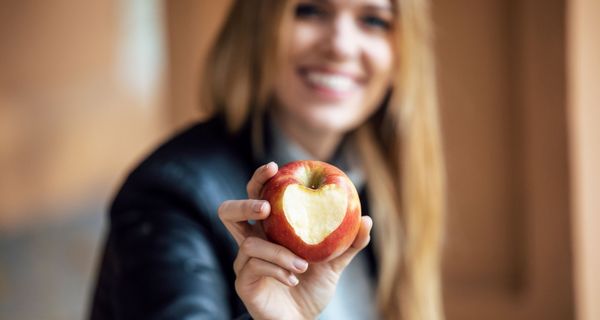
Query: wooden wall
(192,26)
(584,138)
(503,93)
(69,124)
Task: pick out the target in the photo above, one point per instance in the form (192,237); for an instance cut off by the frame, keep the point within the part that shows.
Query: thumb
(360,242)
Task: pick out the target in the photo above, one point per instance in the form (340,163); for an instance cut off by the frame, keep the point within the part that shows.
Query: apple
(315,210)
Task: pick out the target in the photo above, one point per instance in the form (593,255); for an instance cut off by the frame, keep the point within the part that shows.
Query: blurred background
(87,88)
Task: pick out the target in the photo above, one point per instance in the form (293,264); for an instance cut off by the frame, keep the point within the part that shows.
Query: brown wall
(68,125)
(502,86)
(191,26)
(584,131)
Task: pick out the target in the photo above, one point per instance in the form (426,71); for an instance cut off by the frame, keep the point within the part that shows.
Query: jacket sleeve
(166,260)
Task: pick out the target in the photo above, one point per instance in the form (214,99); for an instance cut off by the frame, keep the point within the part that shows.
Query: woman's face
(337,63)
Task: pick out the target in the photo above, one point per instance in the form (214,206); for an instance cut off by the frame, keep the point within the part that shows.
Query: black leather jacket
(167,254)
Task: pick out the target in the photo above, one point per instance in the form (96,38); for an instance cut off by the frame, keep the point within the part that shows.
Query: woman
(350,82)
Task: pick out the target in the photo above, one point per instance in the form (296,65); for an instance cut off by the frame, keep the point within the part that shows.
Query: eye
(376,22)
(308,10)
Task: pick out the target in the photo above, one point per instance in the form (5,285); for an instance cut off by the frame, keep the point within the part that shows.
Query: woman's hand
(273,282)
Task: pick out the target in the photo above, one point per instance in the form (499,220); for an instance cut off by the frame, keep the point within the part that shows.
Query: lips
(330,81)
(334,83)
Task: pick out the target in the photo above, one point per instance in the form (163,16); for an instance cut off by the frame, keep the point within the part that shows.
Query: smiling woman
(349,82)
(336,65)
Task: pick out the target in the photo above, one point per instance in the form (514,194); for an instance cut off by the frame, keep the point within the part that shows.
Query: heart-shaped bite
(314,213)
(315,210)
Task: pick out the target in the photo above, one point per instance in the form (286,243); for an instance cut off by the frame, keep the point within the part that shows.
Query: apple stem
(316,179)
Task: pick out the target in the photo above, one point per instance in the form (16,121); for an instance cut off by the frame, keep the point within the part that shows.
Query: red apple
(315,210)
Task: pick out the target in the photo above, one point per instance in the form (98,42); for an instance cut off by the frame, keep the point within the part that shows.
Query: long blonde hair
(401,145)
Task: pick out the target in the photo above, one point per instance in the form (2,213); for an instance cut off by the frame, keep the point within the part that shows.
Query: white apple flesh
(314,214)
(315,210)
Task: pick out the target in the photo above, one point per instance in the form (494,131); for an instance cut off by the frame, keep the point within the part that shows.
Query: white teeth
(332,82)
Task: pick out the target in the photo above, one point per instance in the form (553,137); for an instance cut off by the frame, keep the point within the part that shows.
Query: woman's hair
(400,145)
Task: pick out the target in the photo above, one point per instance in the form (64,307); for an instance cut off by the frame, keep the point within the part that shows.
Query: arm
(166,268)
(170,255)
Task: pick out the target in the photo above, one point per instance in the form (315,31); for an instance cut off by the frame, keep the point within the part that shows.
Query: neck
(320,144)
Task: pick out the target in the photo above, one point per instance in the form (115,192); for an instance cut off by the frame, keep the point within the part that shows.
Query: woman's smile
(330,84)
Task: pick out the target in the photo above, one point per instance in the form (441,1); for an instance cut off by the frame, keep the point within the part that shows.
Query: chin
(338,121)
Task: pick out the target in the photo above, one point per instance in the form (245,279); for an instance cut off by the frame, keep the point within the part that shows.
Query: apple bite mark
(314,213)
(315,210)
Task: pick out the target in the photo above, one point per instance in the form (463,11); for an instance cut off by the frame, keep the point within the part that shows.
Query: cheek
(302,43)
(380,58)
(304,34)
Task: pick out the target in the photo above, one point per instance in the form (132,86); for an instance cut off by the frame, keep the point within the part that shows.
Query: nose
(342,40)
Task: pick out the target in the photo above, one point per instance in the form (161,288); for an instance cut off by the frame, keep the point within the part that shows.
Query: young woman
(350,82)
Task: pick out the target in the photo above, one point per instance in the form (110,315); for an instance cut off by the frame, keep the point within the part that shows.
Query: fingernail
(293,279)
(300,265)
(258,206)
(370,222)
(271,165)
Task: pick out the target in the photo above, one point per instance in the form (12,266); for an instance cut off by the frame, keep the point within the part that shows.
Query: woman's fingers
(235,215)
(360,242)
(239,262)
(255,269)
(254,247)
(261,175)
(243,210)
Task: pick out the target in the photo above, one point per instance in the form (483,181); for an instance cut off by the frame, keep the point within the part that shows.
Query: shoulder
(200,145)
(193,171)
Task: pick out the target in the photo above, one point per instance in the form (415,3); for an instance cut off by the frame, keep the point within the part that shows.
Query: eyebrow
(372,6)
(383,8)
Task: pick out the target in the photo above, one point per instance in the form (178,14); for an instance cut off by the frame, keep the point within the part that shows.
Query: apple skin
(277,228)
